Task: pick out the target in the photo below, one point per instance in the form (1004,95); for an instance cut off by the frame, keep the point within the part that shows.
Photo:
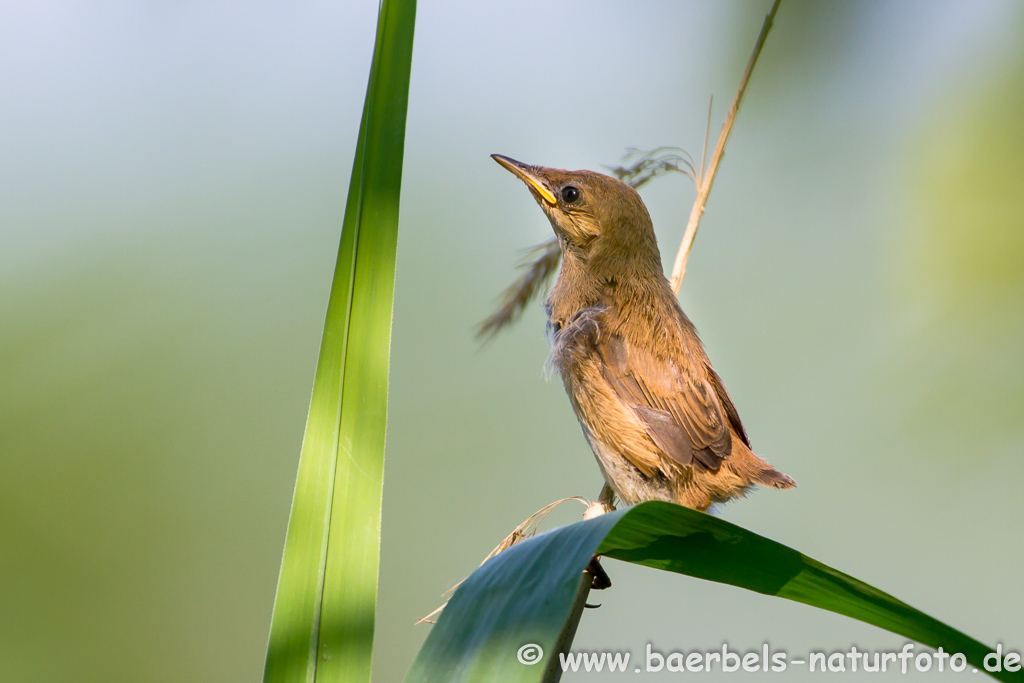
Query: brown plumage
(656,414)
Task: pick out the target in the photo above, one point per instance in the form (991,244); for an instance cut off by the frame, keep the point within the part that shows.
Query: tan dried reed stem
(707,178)
(525,530)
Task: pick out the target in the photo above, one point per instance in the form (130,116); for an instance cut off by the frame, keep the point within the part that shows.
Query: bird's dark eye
(570,194)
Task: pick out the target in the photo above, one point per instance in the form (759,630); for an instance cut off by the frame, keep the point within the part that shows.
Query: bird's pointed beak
(527,175)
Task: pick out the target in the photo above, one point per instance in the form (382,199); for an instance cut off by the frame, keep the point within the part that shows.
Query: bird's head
(598,219)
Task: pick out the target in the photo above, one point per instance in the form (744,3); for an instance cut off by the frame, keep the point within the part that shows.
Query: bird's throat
(577,288)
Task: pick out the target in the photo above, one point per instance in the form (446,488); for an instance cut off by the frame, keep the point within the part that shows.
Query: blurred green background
(172,180)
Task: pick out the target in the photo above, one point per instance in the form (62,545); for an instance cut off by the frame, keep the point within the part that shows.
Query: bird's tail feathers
(772,477)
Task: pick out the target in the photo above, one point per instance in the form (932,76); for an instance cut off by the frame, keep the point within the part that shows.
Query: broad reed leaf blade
(322,628)
(526,594)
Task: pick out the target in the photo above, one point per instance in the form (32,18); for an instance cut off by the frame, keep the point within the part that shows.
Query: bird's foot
(601,580)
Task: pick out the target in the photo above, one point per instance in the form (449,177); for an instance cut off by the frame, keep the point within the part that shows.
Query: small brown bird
(655,412)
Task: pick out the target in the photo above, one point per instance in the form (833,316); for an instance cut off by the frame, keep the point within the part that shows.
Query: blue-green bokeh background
(172,180)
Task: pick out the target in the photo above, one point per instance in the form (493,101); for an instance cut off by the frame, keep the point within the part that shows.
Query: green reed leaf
(322,628)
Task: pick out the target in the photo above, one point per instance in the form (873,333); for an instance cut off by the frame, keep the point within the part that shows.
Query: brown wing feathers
(730,408)
(684,416)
